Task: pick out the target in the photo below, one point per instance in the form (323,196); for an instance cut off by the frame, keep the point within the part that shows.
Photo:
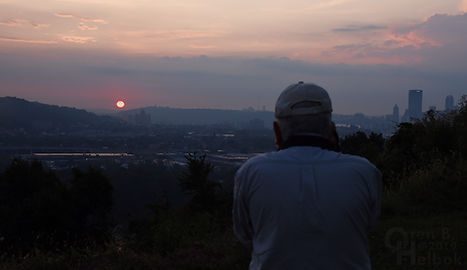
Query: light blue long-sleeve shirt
(306,208)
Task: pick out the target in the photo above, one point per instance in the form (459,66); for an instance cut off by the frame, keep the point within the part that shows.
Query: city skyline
(217,54)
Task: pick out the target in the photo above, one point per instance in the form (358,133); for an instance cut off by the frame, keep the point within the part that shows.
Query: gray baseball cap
(302,99)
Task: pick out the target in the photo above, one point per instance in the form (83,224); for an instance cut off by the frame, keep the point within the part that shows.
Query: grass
(420,242)
(416,231)
(398,242)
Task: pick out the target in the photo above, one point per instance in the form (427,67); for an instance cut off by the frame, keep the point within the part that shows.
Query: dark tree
(38,211)
(195,181)
(33,204)
(91,204)
(360,144)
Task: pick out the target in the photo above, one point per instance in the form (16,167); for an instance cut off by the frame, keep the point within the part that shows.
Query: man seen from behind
(306,206)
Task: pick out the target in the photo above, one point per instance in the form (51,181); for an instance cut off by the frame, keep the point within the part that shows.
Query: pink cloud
(444,28)
(85,27)
(39,25)
(94,20)
(367,53)
(174,34)
(63,15)
(196,46)
(13,22)
(27,41)
(435,40)
(84,19)
(78,39)
(22,22)
(413,39)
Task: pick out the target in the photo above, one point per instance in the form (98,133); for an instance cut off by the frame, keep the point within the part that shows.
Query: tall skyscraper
(395,113)
(449,103)
(415,104)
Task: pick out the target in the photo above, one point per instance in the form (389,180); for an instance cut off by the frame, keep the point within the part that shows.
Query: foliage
(437,189)
(195,182)
(32,207)
(418,146)
(414,147)
(38,211)
(91,204)
(200,228)
(367,146)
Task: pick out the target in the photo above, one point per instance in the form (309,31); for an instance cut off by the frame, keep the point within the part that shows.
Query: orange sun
(120,104)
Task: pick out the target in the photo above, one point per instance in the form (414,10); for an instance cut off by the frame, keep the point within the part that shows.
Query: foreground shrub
(39,212)
(438,189)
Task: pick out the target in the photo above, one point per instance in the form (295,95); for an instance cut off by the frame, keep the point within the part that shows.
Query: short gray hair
(315,124)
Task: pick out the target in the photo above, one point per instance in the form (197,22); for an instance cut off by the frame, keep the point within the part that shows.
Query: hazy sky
(232,54)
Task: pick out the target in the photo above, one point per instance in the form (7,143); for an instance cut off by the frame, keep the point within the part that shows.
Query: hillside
(16,113)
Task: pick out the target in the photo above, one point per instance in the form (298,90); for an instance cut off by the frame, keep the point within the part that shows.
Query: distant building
(140,118)
(449,103)
(405,117)
(415,104)
(432,108)
(395,113)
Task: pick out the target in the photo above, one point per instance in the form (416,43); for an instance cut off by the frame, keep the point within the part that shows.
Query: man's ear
(278,134)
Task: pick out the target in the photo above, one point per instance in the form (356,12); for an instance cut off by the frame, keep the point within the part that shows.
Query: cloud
(368,53)
(7,39)
(84,19)
(331,4)
(94,20)
(78,39)
(22,22)
(443,29)
(355,47)
(197,46)
(39,25)
(85,27)
(361,28)
(463,6)
(413,39)
(13,22)
(440,40)
(63,15)
(181,34)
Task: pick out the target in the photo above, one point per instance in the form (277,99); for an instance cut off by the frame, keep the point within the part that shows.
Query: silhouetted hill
(20,113)
(16,113)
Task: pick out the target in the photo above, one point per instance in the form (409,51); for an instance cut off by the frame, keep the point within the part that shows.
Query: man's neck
(316,141)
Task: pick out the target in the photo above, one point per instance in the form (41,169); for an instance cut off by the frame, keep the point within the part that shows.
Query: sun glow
(120,104)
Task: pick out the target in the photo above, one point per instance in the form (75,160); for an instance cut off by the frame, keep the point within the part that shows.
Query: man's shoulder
(282,157)
(263,161)
(267,158)
(259,159)
(323,156)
